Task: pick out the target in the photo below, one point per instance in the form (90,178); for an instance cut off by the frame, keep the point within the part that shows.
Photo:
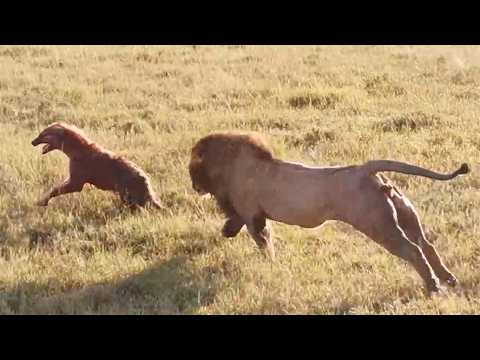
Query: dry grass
(320,105)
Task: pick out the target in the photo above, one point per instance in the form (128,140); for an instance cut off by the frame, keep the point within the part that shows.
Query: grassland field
(320,105)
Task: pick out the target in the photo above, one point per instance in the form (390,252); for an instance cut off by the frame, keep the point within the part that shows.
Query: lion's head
(214,154)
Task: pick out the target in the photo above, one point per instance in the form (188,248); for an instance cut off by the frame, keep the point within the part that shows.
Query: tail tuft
(464,169)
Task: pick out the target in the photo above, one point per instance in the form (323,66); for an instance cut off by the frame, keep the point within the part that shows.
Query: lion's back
(229,145)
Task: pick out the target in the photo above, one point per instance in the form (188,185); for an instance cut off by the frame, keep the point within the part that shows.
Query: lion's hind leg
(409,221)
(398,244)
(382,226)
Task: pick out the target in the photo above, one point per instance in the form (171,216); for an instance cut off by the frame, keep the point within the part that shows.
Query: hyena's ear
(54,126)
(58,127)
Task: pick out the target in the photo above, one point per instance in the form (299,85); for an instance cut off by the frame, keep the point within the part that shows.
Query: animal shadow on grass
(168,287)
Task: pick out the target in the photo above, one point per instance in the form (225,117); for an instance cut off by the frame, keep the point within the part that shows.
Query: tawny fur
(91,164)
(250,186)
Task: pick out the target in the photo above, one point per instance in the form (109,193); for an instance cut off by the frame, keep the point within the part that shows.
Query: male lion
(90,163)
(250,186)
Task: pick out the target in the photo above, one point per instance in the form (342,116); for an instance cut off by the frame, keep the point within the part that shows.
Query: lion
(250,186)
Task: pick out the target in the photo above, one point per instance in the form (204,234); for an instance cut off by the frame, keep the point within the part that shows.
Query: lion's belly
(301,221)
(309,213)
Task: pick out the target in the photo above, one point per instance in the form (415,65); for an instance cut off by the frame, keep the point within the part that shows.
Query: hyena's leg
(68,186)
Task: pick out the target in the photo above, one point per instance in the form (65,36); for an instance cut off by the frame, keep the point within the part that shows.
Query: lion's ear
(196,157)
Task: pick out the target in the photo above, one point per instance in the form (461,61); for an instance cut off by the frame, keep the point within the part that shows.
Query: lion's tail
(372,167)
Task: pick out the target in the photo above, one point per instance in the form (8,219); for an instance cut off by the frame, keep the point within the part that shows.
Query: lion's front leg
(232,226)
(260,232)
(234,222)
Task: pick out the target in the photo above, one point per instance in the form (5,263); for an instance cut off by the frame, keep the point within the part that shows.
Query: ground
(321,105)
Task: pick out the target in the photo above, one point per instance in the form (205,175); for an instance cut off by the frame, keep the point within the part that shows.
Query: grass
(85,254)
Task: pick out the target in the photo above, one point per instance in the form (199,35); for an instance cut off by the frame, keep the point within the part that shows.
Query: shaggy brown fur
(91,164)
(250,186)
